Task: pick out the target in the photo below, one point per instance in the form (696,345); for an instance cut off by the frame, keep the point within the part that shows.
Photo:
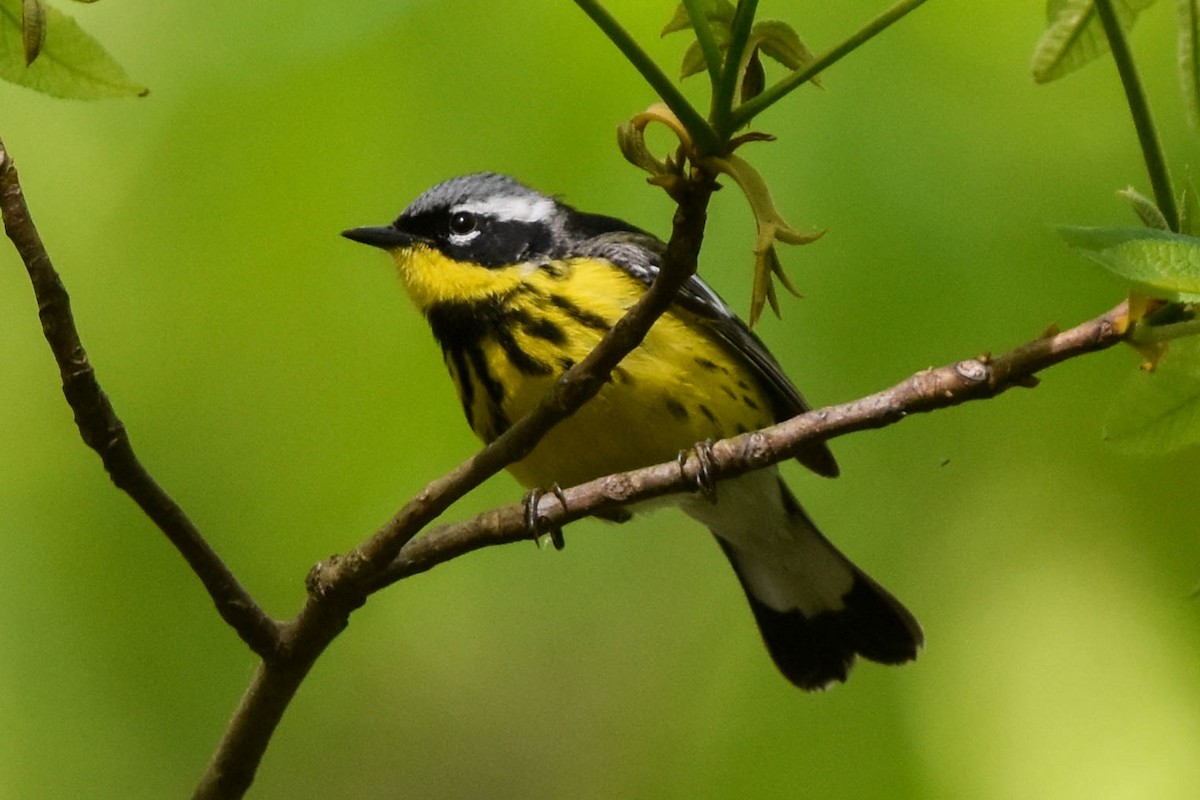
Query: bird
(518,286)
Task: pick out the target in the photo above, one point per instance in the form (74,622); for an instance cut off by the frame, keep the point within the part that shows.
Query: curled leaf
(631,139)
(1145,209)
(754,77)
(771,227)
(33,29)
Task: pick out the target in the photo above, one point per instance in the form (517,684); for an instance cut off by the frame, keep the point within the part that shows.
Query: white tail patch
(786,563)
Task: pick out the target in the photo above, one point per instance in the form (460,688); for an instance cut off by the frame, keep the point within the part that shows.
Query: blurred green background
(276,381)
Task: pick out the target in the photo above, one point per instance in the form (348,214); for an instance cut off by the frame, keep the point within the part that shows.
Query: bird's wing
(639,254)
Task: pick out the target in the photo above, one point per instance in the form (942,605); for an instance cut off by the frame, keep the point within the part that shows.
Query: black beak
(384,236)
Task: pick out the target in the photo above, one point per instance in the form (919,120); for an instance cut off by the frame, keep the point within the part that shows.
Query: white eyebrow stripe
(510,209)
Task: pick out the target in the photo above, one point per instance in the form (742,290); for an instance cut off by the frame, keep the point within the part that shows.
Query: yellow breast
(508,333)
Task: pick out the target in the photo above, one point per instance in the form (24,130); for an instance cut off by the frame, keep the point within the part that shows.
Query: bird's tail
(816,610)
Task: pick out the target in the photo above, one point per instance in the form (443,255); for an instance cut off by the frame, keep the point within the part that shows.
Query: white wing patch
(510,209)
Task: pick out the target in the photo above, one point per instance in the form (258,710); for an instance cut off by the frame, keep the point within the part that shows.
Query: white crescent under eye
(463,238)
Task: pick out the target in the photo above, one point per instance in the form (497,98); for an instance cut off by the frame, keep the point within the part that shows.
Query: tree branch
(929,390)
(104,432)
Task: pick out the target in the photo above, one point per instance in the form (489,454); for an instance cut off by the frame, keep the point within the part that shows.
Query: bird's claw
(538,526)
(706,478)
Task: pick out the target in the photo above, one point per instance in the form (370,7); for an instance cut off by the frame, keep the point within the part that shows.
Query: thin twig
(1139,108)
(702,133)
(726,88)
(706,39)
(103,431)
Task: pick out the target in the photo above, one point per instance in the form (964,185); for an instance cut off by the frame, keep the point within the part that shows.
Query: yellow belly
(679,387)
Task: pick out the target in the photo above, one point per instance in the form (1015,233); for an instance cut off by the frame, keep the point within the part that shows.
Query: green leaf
(1145,208)
(1189,57)
(679,21)
(71,64)
(1074,35)
(1159,412)
(779,41)
(1157,263)
(693,61)
(33,28)
(719,12)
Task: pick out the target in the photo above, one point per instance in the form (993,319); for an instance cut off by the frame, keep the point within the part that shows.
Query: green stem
(708,42)
(725,89)
(704,137)
(752,108)
(1139,107)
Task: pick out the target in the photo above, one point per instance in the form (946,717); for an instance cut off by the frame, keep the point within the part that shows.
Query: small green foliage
(779,41)
(693,58)
(1155,262)
(70,63)
(730,46)
(772,38)
(1145,209)
(1074,35)
(1159,411)
(771,228)
(718,12)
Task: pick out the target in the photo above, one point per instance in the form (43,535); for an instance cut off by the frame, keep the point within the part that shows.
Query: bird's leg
(536,524)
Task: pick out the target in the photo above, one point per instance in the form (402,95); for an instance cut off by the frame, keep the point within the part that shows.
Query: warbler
(518,286)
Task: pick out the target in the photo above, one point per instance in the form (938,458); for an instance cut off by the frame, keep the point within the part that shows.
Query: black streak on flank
(585,318)
(540,328)
(676,409)
(495,393)
(711,366)
(750,402)
(462,378)
(519,358)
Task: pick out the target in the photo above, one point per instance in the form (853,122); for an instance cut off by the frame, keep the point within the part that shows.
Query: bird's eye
(462,222)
